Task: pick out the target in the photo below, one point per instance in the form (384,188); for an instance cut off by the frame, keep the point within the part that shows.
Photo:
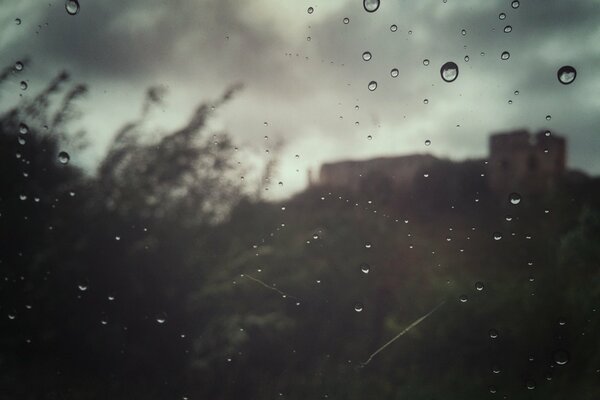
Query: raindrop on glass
(561,357)
(466,58)
(548,117)
(366,56)
(346,20)
(463,32)
(497,235)
(23,129)
(463,298)
(372,85)
(529,384)
(393,28)
(479,286)
(19,66)
(566,74)
(507,29)
(371,5)
(18,21)
(63,157)
(502,16)
(493,333)
(365,268)
(310,10)
(505,55)
(394,72)
(23,85)
(83,287)
(368,245)
(514,198)
(515,4)
(427,142)
(358,307)
(72,7)
(426,62)
(449,71)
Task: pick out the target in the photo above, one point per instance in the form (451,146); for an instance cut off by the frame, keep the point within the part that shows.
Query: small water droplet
(463,298)
(371,5)
(393,28)
(514,198)
(505,55)
(366,56)
(463,32)
(425,101)
(426,62)
(365,268)
(497,235)
(502,16)
(368,245)
(82,287)
(369,137)
(18,21)
(566,74)
(23,129)
(479,286)
(466,58)
(310,10)
(394,72)
(548,117)
(161,319)
(516,92)
(449,71)
(19,66)
(72,7)
(492,389)
(493,333)
(515,4)
(507,29)
(427,142)
(23,85)
(372,85)
(63,157)
(346,20)
(529,384)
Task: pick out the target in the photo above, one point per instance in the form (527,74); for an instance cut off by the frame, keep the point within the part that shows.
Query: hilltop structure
(517,161)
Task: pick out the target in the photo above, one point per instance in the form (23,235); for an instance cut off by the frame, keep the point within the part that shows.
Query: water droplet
(369,137)
(358,307)
(529,384)
(479,286)
(393,28)
(505,55)
(427,142)
(161,319)
(72,7)
(372,85)
(493,333)
(566,74)
(466,58)
(18,21)
(394,72)
(561,357)
(507,29)
(463,32)
(368,245)
(63,157)
(23,129)
(515,4)
(425,101)
(516,92)
(497,235)
(547,133)
(365,268)
(426,62)
(82,287)
(493,389)
(514,198)
(502,16)
(548,117)
(19,66)
(111,298)
(371,5)
(449,71)
(310,10)
(463,298)
(346,20)
(562,321)
(23,85)
(366,56)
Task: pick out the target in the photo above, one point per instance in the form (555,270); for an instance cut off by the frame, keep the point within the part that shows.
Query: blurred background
(322,199)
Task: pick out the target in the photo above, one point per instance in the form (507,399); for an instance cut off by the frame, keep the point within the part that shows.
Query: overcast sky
(307,90)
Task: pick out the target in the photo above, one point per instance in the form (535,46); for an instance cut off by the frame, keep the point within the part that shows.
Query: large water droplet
(366,56)
(449,71)
(566,74)
(505,55)
(507,29)
(372,85)
(72,7)
(515,4)
(371,5)
(561,357)
(514,198)
(63,157)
